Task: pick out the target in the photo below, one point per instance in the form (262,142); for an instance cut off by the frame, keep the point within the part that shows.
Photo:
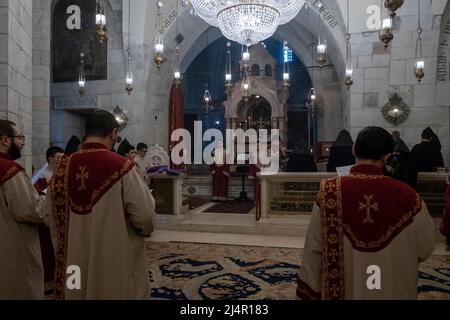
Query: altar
(166,190)
(293,194)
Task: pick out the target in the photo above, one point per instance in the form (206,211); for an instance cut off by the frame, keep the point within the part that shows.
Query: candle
(159,47)
(321,49)
(387,23)
(349,73)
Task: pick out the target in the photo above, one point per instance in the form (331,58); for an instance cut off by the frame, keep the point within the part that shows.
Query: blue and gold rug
(180,271)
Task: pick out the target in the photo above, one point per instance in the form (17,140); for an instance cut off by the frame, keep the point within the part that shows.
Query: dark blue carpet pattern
(181,271)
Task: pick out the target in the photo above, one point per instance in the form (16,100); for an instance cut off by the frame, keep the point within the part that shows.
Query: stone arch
(299,32)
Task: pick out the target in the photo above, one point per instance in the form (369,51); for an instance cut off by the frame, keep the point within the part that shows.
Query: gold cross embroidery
(334,290)
(83,176)
(332,219)
(368,206)
(333,254)
(330,188)
(58,186)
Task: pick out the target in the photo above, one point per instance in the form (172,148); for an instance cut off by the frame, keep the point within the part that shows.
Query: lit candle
(159,47)
(98,19)
(321,49)
(387,23)
(420,64)
(349,73)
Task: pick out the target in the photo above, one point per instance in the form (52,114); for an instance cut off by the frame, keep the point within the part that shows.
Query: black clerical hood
(72,145)
(400,145)
(123,146)
(429,134)
(344,139)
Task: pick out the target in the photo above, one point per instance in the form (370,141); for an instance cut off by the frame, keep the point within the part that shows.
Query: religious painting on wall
(74,33)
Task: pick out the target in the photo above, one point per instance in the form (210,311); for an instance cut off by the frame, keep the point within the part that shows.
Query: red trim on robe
(220,178)
(444,228)
(372,217)
(330,203)
(253,174)
(41,185)
(305,292)
(8,168)
(91,173)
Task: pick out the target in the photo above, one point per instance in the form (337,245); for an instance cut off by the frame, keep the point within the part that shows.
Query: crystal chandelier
(247,21)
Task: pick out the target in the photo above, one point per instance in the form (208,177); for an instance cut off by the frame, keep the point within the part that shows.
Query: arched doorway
(256,113)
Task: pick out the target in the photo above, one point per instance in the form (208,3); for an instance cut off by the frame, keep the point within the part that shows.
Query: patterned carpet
(242,207)
(181,271)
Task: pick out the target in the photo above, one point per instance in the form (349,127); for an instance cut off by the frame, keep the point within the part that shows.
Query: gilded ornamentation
(368,206)
(82,175)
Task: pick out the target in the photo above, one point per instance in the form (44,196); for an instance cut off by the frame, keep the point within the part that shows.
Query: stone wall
(140,107)
(380,72)
(16,68)
(41,80)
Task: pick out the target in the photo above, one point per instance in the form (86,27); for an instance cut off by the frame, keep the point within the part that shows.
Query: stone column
(16,68)
(41,81)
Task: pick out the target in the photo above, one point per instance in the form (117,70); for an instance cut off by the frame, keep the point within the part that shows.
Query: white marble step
(234,224)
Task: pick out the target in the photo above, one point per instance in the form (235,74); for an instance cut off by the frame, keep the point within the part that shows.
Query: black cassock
(426,156)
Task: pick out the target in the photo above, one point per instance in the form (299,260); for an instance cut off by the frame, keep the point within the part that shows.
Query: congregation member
(53,155)
(100,211)
(427,154)
(365,220)
(21,270)
(341,152)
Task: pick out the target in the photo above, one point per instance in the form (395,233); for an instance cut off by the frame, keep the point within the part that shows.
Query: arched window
(255,70)
(268,70)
